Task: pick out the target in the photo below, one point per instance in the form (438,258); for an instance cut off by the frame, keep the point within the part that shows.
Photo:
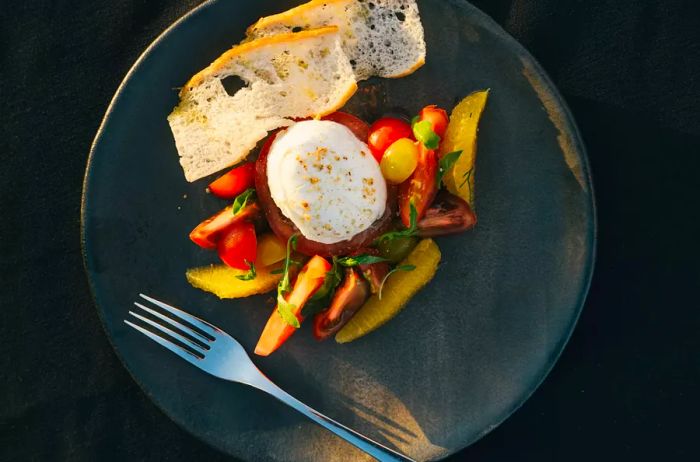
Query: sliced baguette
(288,76)
(382,38)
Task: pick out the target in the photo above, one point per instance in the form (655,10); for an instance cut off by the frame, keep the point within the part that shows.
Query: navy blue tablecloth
(626,387)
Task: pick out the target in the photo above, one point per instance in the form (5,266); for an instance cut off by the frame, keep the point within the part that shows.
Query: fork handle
(371,447)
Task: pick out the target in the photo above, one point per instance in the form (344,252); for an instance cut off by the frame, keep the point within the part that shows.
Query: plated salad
(333,211)
(333,214)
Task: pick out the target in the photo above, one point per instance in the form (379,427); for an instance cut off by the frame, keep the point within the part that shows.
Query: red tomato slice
(277,331)
(348,298)
(356,125)
(208,232)
(420,188)
(437,117)
(238,246)
(233,183)
(448,214)
(384,132)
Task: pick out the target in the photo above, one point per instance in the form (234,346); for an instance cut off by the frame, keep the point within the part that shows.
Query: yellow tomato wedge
(461,135)
(221,280)
(270,250)
(397,291)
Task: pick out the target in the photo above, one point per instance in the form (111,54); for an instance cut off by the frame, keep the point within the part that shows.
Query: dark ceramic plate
(466,351)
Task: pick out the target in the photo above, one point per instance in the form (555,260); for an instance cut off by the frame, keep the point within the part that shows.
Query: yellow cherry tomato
(399,160)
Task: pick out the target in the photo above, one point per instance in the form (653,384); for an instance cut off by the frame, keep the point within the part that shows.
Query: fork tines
(185,335)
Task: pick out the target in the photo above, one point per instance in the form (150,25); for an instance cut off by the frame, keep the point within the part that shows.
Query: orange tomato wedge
(277,331)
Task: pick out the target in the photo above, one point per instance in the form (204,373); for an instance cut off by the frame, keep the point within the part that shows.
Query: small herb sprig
(423,132)
(357,260)
(467,180)
(446,163)
(250,275)
(284,308)
(398,268)
(240,202)
(320,300)
(408,232)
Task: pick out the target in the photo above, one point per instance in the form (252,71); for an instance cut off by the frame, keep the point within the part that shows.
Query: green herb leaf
(423,131)
(446,163)
(412,217)
(250,275)
(410,231)
(295,262)
(242,200)
(284,308)
(277,271)
(320,300)
(363,259)
(398,268)
(284,284)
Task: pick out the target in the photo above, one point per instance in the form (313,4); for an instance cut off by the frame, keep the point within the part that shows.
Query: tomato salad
(332,281)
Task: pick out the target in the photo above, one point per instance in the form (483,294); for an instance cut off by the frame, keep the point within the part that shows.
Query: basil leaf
(284,308)
(423,131)
(398,268)
(446,163)
(412,217)
(284,284)
(363,259)
(410,231)
(250,275)
(242,200)
(320,300)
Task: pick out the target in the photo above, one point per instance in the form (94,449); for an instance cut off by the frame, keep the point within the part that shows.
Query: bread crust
(297,16)
(341,102)
(281,18)
(222,61)
(408,71)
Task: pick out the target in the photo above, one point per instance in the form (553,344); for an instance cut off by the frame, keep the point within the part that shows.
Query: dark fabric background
(626,388)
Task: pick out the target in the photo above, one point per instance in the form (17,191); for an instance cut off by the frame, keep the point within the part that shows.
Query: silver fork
(220,355)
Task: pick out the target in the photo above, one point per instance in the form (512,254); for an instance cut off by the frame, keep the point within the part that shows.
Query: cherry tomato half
(348,298)
(448,214)
(436,116)
(421,187)
(399,160)
(208,232)
(238,246)
(384,132)
(231,184)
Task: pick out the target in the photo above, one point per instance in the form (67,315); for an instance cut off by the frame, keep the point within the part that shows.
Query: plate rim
(591,243)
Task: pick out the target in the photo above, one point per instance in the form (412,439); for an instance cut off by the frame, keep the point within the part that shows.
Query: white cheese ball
(325,181)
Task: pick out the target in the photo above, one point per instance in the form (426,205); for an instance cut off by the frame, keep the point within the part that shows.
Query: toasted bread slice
(382,37)
(288,76)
